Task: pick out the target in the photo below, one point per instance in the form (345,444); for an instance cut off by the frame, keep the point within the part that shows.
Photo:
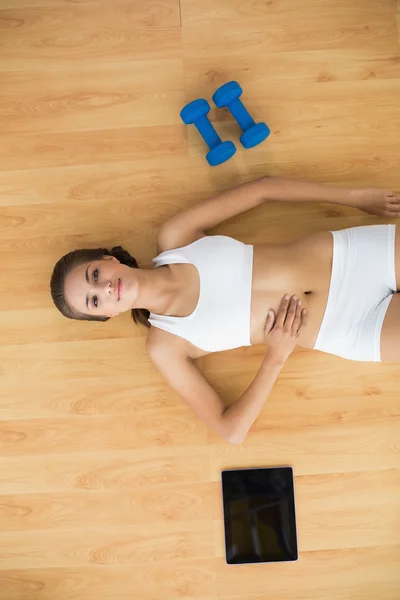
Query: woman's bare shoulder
(162,344)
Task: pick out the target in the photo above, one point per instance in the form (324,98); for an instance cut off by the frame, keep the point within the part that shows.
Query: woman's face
(102,287)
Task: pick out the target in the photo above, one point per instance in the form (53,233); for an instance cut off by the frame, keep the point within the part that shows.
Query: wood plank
(27,151)
(44,436)
(45,23)
(160,504)
(107,480)
(50,50)
(145,93)
(191,579)
(107,546)
(233,12)
(219,28)
(137,469)
(338,574)
(100,395)
(133,183)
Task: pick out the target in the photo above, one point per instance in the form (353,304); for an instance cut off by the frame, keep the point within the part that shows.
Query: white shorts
(363,282)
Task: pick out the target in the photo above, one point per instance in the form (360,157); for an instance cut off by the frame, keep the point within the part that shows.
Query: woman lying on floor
(210,293)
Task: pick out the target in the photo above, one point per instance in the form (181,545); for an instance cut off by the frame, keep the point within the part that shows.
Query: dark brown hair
(78,257)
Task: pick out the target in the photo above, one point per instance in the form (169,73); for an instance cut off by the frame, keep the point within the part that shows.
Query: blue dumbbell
(195,112)
(228,96)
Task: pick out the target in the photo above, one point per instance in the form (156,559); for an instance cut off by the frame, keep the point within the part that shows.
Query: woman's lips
(119,289)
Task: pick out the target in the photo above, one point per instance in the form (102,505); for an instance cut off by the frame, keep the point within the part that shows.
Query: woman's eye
(95,275)
(95,301)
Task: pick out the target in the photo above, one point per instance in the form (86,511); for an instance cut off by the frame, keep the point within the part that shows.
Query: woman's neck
(157,288)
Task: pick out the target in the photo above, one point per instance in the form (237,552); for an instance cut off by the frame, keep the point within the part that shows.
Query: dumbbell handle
(241,114)
(208,132)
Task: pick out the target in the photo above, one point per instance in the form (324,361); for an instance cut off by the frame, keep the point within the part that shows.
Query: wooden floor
(110,487)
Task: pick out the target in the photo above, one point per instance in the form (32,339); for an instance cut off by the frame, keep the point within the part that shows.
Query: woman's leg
(390,335)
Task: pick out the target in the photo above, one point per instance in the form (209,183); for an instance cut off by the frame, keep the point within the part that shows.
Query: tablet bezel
(265,559)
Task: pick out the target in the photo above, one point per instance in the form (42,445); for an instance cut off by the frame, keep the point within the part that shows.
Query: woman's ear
(108,257)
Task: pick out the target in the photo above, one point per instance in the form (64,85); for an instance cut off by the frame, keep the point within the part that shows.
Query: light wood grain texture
(188,579)
(109,485)
(136,469)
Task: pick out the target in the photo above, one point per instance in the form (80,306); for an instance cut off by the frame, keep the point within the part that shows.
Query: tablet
(259,515)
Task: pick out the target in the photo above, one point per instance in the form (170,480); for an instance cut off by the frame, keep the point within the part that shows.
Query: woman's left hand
(377,202)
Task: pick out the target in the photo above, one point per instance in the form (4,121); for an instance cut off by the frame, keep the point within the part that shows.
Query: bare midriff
(302,268)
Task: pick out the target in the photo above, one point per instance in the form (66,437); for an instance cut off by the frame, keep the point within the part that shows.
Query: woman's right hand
(282,331)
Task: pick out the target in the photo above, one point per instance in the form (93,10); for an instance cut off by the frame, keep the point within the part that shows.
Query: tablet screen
(259,515)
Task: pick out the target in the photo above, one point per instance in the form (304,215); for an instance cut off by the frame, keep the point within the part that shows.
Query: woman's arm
(371,200)
(282,189)
(281,338)
(193,222)
(232,423)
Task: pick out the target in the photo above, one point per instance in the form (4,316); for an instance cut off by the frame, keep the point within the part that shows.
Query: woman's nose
(107,288)
(104,287)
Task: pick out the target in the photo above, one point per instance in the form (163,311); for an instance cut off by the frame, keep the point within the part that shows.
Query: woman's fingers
(303,318)
(297,318)
(392,206)
(269,323)
(291,313)
(291,316)
(280,320)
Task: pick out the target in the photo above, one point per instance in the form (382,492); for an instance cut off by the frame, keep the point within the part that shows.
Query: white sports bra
(221,319)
